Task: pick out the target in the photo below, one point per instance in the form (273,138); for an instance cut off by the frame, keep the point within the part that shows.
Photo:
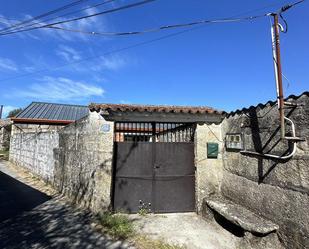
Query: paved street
(32,219)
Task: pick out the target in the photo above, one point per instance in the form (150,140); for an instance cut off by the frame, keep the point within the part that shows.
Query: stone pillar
(208,170)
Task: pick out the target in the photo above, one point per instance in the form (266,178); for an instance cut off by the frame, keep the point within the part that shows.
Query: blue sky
(226,66)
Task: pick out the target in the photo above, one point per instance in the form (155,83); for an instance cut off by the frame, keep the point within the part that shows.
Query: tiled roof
(51,112)
(153,108)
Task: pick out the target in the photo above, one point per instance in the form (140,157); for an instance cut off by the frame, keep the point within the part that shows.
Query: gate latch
(157,166)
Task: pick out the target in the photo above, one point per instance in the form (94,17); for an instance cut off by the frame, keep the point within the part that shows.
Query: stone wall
(32,146)
(5,134)
(208,170)
(83,168)
(275,189)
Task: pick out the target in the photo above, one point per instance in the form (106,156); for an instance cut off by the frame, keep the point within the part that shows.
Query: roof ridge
(51,103)
(269,102)
(154,108)
(153,105)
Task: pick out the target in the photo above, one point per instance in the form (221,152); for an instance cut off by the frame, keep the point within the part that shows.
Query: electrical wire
(200,22)
(63,15)
(84,17)
(285,8)
(184,25)
(285,23)
(123,48)
(288,6)
(102,55)
(44,14)
(102,3)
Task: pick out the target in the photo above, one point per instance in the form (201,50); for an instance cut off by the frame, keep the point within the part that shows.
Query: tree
(14,112)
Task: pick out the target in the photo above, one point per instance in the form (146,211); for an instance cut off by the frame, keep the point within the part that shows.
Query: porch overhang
(151,113)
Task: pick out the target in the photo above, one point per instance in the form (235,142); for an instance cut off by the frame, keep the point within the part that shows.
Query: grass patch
(143,242)
(117,225)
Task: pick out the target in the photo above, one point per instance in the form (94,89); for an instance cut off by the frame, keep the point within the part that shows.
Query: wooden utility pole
(1,109)
(278,71)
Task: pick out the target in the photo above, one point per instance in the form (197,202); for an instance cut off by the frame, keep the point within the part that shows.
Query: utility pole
(1,109)
(278,71)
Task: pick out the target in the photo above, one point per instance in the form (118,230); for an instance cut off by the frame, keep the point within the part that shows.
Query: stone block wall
(83,169)
(5,135)
(32,146)
(208,170)
(275,189)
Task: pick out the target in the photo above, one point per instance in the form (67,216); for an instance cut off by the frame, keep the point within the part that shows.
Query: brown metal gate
(154,167)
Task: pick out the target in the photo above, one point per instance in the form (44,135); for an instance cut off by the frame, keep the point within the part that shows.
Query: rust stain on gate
(154,167)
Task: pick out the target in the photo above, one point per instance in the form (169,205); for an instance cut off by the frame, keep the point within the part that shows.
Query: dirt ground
(186,229)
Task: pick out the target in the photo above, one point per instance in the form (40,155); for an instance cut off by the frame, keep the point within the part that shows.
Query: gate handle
(157,166)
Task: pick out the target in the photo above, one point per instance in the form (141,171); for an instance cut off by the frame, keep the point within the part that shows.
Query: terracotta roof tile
(153,108)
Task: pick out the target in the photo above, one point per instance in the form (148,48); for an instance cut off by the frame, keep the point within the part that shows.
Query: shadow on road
(52,225)
(17,197)
(31,219)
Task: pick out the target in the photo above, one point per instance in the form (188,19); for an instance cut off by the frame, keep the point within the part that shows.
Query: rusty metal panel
(154,167)
(174,159)
(174,187)
(133,176)
(174,194)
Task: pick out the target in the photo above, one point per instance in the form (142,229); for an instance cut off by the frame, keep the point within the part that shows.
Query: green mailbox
(212,150)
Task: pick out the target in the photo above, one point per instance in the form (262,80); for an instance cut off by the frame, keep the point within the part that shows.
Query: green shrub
(117,225)
(143,212)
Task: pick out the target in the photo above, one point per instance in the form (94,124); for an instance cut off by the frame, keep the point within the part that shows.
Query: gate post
(153,142)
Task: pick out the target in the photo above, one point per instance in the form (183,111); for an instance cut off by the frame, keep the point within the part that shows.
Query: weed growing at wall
(117,225)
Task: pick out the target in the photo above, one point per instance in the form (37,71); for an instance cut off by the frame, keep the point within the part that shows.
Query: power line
(102,55)
(288,6)
(63,15)
(84,17)
(223,20)
(44,14)
(124,48)
(99,4)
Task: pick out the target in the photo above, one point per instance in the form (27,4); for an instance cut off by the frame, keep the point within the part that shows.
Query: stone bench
(241,216)
(258,232)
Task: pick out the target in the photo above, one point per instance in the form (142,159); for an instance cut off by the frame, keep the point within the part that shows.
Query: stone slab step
(241,216)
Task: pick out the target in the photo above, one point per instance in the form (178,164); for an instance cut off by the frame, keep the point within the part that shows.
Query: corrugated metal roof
(270,103)
(52,112)
(153,108)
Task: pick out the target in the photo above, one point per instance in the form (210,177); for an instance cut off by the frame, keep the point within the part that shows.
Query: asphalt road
(31,219)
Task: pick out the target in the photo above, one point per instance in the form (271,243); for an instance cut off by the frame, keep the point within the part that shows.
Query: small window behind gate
(147,132)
